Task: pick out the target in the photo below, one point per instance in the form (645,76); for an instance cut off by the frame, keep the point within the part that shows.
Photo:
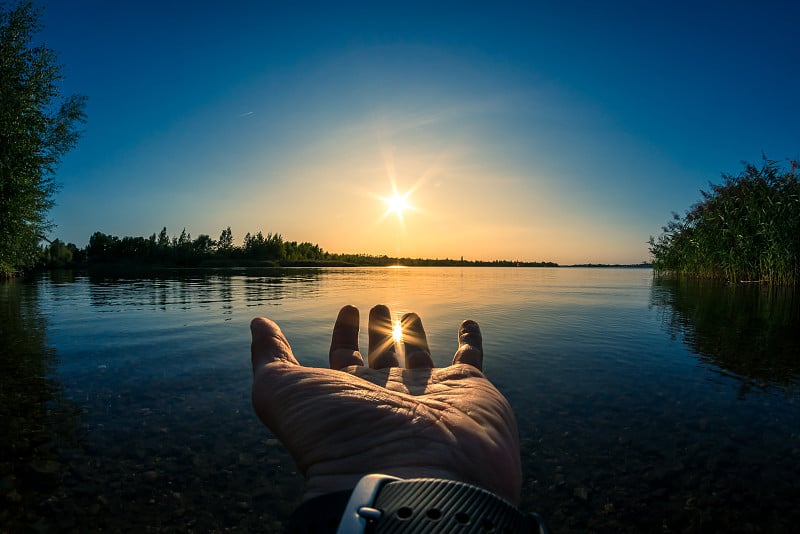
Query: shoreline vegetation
(108,253)
(37,128)
(744,230)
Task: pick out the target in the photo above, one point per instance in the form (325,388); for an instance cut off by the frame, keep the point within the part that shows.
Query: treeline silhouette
(745,229)
(203,251)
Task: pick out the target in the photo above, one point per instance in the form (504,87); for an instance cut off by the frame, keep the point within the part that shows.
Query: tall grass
(745,229)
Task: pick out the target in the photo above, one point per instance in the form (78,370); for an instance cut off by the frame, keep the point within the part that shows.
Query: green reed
(745,229)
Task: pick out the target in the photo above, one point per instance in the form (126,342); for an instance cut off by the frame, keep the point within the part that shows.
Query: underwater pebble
(581,493)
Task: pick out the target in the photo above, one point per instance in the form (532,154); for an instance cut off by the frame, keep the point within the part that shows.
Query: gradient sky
(559,131)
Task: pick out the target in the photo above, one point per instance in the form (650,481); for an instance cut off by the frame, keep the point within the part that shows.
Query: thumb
(268,344)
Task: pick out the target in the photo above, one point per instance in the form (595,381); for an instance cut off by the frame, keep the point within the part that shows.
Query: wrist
(383,502)
(323,484)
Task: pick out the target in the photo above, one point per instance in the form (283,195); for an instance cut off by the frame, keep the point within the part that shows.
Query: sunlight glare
(397,332)
(397,204)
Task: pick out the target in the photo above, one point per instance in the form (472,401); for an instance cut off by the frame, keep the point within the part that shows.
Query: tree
(163,239)
(202,246)
(225,243)
(56,254)
(183,241)
(102,247)
(264,248)
(37,128)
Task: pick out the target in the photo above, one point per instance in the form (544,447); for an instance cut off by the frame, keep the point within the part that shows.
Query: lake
(644,405)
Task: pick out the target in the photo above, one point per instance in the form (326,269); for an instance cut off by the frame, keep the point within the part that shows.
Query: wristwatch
(383,504)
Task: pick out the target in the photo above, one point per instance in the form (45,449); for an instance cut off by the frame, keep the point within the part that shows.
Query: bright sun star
(397,204)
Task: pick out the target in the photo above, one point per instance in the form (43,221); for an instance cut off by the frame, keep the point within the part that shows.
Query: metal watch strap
(383,504)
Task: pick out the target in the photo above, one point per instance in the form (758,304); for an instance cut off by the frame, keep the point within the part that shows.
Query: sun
(397,204)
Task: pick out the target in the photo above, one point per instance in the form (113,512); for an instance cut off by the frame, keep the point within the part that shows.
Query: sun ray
(397,332)
(400,203)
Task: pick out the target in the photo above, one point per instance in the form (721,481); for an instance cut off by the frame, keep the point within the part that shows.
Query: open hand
(354,419)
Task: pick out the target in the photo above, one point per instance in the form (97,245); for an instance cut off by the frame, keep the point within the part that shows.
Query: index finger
(344,341)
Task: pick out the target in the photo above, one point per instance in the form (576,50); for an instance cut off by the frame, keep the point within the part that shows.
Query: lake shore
(233,265)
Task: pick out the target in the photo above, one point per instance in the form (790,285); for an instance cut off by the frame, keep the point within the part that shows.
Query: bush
(745,229)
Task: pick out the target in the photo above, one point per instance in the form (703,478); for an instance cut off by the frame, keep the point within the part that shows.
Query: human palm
(353,419)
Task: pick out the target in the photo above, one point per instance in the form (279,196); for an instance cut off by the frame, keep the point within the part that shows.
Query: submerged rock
(45,467)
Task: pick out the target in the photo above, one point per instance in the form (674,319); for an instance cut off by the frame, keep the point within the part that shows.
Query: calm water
(643,405)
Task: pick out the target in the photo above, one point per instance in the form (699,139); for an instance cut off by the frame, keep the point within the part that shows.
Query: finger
(269,344)
(418,355)
(344,342)
(382,352)
(470,345)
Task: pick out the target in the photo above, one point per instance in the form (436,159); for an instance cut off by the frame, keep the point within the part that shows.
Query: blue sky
(557,131)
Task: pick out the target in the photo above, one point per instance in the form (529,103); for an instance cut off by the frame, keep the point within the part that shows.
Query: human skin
(353,419)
